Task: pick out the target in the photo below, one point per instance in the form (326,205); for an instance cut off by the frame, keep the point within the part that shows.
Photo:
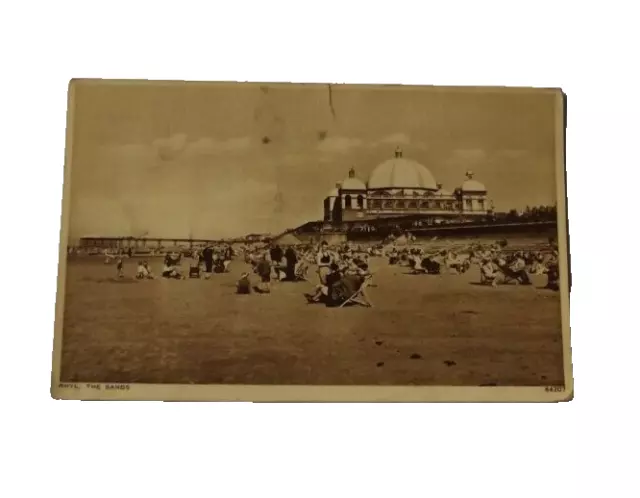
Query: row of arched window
(348,201)
(395,204)
(404,193)
(411,204)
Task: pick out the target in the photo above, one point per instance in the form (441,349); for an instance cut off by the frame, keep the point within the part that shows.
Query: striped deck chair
(301,271)
(360,296)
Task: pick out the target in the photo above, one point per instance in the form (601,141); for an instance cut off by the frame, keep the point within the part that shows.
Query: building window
(481,204)
(375,204)
(413,205)
(347,201)
(425,205)
(468,204)
(388,204)
(360,202)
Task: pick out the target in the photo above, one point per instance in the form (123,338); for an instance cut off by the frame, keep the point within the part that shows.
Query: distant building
(135,243)
(401,187)
(257,237)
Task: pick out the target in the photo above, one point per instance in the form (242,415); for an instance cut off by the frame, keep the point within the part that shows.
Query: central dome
(401,173)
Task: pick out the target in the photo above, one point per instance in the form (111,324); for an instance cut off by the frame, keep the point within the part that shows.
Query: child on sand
(244,284)
(263,269)
(143,271)
(120,268)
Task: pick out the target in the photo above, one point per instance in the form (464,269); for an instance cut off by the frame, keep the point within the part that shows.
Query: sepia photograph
(313,242)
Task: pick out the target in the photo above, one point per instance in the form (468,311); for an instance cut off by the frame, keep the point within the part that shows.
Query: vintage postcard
(313,242)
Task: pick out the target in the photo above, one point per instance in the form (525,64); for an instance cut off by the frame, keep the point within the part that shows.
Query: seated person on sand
(537,265)
(452,262)
(347,285)
(323,289)
(394,257)
(144,271)
(429,263)
(344,263)
(171,268)
(218,266)
(278,269)
(553,273)
(340,285)
(243,286)
(218,262)
(415,262)
(515,270)
(441,259)
(488,272)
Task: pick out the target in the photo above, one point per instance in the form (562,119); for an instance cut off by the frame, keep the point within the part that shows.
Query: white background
(70,449)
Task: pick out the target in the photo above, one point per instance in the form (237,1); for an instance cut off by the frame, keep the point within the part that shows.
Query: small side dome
(353,182)
(471,185)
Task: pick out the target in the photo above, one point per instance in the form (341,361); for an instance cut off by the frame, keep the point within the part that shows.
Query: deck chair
(301,271)
(360,296)
(194,271)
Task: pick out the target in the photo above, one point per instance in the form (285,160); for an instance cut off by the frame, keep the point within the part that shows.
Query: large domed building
(401,187)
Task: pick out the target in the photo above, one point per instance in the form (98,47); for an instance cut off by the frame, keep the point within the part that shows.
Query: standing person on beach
(324,259)
(207,257)
(120,268)
(292,258)
(227,257)
(263,270)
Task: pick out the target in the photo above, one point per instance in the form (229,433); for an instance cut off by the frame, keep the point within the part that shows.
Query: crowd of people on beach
(496,264)
(342,269)
(202,262)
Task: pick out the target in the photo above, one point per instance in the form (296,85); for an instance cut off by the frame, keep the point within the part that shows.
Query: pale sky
(208,160)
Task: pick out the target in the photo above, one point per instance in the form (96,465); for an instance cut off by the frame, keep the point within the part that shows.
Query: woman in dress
(292,259)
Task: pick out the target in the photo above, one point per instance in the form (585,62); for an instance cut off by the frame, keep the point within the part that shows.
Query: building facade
(403,187)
